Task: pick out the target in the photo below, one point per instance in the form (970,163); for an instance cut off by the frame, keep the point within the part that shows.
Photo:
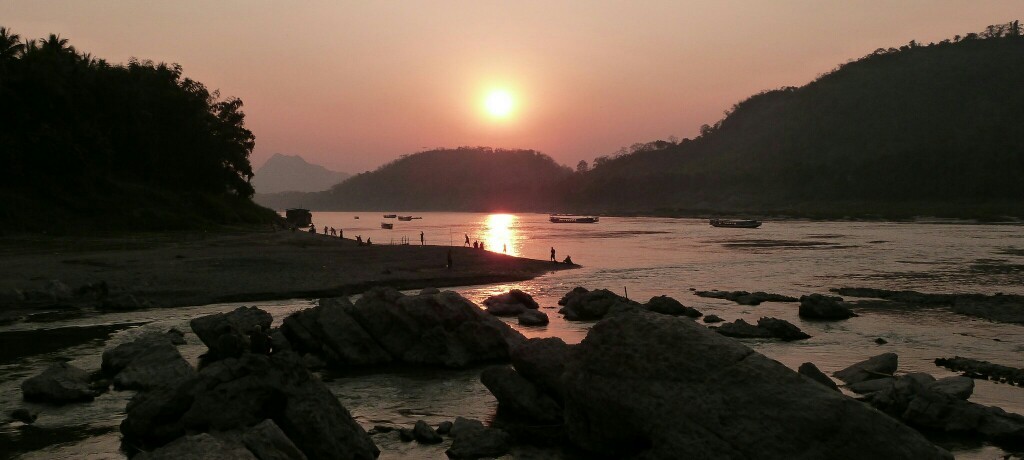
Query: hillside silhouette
(921,129)
(283,173)
(461,179)
(86,144)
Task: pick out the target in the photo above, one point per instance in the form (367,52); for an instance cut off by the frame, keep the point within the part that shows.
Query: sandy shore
(177,269)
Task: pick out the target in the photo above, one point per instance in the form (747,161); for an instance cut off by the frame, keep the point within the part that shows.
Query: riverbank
(195,268)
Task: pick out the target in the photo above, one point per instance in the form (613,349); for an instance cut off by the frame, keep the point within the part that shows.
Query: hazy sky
(351,85)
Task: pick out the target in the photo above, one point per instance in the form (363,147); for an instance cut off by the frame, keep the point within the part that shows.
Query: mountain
(461,179)
(922,129)
(284,173)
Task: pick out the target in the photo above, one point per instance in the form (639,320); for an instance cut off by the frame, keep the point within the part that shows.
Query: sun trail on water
(499,103)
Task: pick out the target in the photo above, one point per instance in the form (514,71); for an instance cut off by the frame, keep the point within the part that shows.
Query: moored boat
(386,225)
(570,219)
(389,216)
(405,218)
(735,223)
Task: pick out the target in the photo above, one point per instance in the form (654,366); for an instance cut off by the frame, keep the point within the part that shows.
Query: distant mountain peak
(284,173)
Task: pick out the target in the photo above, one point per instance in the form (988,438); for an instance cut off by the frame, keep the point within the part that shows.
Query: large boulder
(876,367)
(236,393)
(479,442)
(227,334)
(823,307)
(782,329)
(511,303)
(533,318)
(202,446)
(542,361)
(268,442)
(743,330)
(766,328)
(708,396)
(812,372)
(959,387)
(746,298)
(668,306)
(596,304)
(519,397)
(330,331)
(60,383)
(576,291)
(147,362)
(425,434)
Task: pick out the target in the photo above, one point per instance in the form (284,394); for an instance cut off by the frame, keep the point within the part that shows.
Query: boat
(387,226)
(298,217)
(570,219)
(389,216)
(414,218)
(404,218)
(357,217)
(735,223)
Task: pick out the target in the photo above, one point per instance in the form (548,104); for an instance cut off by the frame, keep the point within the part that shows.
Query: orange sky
(351,85)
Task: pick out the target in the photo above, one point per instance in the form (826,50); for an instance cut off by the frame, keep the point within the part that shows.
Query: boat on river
(389,216)
(571,219)
(405,218)
(387,226)
(735,223)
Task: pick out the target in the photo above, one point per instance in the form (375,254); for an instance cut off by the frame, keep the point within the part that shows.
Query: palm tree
(56,45)
(10,44)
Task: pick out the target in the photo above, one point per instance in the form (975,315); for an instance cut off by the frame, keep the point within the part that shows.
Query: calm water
(641,256)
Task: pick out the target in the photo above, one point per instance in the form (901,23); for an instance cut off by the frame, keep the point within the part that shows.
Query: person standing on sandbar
(421,240)
(553,259)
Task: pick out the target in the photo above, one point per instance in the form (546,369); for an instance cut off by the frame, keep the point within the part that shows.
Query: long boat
(405,218)
(386,225)
(389,216)
(569,219)
(735,223)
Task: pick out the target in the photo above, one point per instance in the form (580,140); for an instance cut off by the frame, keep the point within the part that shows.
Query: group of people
(568,259)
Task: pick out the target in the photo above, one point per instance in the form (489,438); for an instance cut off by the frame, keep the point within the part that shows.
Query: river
(641,257)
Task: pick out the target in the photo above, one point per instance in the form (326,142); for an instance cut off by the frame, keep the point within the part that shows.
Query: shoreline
(169,270)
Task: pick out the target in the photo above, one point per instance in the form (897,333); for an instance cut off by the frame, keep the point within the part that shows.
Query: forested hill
(462,179)
(936,128)
(86,144)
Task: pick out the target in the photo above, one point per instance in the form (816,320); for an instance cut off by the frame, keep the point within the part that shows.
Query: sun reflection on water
(500,234)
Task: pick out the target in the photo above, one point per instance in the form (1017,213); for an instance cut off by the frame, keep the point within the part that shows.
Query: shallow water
(639,256)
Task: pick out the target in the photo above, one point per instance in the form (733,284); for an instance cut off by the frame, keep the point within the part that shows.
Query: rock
(227,334)
(743,329)
(812,372)
(202,446)
(707,396)
(236,393)
(444,427)
(997,307)
(146,363)
(876,367)
(746,298)
(59,384)
(267,442)
(122,302)
(881,341)
(542,361)
(510,303)
(519,397)
(424,434)
(381,429)
(175,336)
(24,415)
(958,387)
(593,305)
(406,434)
(479,443)
(576,291)
(430,291)
(871,386)
(711,319)
(533,318)
(983,369)
(817,306)
(463,425)
(329,330)
(278,341)
(313,362)
(669,306)
(782,329)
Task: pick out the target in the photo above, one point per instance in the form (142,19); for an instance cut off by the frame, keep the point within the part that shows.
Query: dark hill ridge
(283,173)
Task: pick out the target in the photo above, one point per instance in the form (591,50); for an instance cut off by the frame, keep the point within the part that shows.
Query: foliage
(76,131)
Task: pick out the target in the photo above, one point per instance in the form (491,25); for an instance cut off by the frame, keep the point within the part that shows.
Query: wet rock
(576,291)
(711,319)
(997,307)
(24,415)
(406,434)
(381,429)
(430,291)
(817,306)
(766,328)
(60,383)
(227,334)
(542,361)
(464,425)
(424,434)
(782,329)
(511,303)
(682,405)
(958,387)
(202,446)
(871,386)
(175,336)
(743,329)
(267,442)
(330,331)
(876,367)
(519,397)
(533,318)
(444,427)
(881,341)
(983,369)
(596,304)
(146,363)
(812,372)
(236,393)
(669,306)
(479,443)
(744,297)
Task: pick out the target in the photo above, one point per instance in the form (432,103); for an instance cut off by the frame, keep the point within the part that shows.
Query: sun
(499,103)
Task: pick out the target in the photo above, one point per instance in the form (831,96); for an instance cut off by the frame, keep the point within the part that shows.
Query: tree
(10,44)
(582,166)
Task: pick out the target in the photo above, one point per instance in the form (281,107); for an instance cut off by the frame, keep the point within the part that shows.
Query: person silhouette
(476,245)
(504,247)
(421,240)
(553,259)
(467,239)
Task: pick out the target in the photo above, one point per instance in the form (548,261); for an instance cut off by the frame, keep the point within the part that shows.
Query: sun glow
(500,234)
(499,103)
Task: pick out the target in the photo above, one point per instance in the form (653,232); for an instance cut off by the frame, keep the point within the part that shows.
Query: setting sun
(499,103)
